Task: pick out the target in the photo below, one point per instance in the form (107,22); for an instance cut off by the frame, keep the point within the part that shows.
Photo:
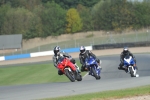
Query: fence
(108,38)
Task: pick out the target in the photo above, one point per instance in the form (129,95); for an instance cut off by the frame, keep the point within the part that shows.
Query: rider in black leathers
(58,54)
(122,56)
(83,55)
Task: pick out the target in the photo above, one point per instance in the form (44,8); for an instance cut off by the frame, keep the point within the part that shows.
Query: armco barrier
(121,45)
(70,50)
(38,54)
(17,56)
(2,58)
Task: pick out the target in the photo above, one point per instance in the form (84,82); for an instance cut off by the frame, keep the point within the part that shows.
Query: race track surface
(111,79)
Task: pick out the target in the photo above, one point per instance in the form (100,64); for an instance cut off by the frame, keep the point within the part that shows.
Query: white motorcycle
(129,65)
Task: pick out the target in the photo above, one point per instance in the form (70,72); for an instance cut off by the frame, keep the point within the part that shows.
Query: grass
(108,95)
(30,74)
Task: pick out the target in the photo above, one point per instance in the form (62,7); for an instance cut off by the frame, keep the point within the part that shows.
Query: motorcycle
(129,65)
(69,69)
(93,67)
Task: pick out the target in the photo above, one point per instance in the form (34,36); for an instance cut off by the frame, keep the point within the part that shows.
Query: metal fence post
(39,48)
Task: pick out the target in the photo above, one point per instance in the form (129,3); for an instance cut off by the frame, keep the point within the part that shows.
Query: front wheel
(70,75)
(95,74)
(131,71)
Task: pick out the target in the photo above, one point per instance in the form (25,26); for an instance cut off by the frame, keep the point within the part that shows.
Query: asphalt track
(112,79)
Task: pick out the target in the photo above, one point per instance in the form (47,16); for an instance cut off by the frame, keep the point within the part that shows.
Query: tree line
(42,18)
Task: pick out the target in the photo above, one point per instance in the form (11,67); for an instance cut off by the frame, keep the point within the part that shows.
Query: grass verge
(108,95)
(30,74)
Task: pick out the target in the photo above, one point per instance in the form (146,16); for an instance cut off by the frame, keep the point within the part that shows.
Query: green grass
(30,74)
(108,95)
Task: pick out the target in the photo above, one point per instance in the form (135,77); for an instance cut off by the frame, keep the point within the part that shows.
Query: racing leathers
(122,56)
(63,54)
(83,56)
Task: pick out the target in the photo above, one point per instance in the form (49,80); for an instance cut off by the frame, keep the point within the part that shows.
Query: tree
(74,23)
(102,15)
(3,10)
(20,21)
(86,17)
(67,4)
(142,14)
(53,19)
(28,4)
(113,15)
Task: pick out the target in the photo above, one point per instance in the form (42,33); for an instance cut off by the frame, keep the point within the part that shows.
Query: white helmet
(56,50)
(125,50)
(82,49)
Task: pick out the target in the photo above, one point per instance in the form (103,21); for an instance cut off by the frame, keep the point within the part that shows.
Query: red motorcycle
(69,69)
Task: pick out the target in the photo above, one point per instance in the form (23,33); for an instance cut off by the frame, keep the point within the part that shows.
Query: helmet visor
(56,51)
(82,51)
(125,52)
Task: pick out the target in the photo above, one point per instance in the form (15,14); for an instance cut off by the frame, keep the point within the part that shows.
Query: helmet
(82,49)
(56,50)
(125,50)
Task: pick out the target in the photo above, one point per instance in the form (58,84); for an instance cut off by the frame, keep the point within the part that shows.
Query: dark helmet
(82,49)
(56,50)
(125,50)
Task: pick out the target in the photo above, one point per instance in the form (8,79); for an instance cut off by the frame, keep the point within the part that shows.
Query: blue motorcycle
(129,66)
(93,67)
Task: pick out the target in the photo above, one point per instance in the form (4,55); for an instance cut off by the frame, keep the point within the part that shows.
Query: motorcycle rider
(124,53)
(58,54)
(83,55)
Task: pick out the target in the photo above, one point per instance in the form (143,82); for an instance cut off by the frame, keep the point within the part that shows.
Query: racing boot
(60,72)
(83,68)
(90,73)
(126,70)
(121,67)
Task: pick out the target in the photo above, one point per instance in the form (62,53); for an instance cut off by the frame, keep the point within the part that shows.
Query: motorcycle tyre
(94,73)
(79,78)
(68,74)
(131,72)
(99,77)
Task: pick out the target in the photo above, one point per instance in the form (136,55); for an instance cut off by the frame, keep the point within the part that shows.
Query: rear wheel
(79,78)
(98,77)
(70,75)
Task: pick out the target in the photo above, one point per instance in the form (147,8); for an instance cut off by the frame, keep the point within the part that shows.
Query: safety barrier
(70,50)
(120,45)
(38,54)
